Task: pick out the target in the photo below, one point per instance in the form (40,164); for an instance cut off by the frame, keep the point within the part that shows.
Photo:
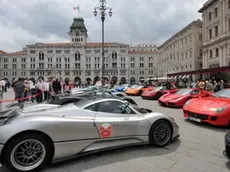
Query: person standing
(39,90)
(57,86)
(46,88)
(19,89)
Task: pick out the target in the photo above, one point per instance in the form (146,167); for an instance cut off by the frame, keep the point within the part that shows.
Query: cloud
(133,21)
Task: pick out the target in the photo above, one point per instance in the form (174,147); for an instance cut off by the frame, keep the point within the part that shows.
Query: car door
(114,119)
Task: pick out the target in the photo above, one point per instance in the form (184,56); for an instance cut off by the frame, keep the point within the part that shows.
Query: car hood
(209,102)
(39,107)
(175,96)
(147,93)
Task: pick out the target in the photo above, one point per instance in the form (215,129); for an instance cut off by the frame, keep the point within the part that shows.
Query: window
(210,33)
(200,37)
(77,56)
(50,51)
(217,52)
(123,51)
(93,107)
(67,51)
(216,30)
(210,16)
(216,12)
(114,107)
(141,65)
(58,51)
(32,51)
(229,24)
(228,4)
(97,51)
(210,53)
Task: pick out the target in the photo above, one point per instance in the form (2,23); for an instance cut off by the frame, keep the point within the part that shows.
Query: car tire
(18,164)
(156,133)
(140,93)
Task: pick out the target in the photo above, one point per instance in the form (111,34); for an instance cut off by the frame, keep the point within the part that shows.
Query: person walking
(19,89)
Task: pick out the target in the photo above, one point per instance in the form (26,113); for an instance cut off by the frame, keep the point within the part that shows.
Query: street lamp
(102,9)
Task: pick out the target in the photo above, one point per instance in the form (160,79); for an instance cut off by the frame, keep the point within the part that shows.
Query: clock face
(77,33)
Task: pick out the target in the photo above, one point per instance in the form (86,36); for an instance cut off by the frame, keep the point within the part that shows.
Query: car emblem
(105,130)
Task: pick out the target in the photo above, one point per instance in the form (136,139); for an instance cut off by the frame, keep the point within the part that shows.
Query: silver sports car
(35,136)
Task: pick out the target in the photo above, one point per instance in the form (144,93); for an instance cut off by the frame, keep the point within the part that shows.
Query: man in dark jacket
(56,86)
(19,89)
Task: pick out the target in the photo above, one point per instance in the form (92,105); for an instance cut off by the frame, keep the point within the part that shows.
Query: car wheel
(140,93)
(27,153)
(160,133)
(119,95)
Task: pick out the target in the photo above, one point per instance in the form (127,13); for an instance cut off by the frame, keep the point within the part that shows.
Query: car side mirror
(126,104)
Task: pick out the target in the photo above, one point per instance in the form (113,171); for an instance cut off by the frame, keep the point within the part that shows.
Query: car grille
(171,104)
(198,116)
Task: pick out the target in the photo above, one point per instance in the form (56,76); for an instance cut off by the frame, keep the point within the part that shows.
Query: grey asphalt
(199,149)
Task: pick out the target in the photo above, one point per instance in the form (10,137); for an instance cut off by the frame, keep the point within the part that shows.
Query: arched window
(115,54)
(79,56)
(210,53)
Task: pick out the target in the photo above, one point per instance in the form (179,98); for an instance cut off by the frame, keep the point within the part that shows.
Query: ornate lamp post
(103,9)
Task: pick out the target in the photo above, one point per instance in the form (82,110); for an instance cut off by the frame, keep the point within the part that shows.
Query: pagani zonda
(31,138)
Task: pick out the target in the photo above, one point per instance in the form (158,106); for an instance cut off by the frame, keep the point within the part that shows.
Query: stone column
(223,17)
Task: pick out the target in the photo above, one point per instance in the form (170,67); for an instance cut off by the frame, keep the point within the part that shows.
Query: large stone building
(78,59)
(143,61)
(182,52)
(216,35)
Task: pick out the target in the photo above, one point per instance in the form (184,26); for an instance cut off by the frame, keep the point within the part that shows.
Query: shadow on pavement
(208,126)
(117,155)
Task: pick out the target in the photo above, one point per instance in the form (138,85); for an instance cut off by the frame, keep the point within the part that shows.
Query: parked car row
(198,105)
(75,124)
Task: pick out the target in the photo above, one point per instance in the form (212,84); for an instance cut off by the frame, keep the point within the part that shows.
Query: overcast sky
(133,21)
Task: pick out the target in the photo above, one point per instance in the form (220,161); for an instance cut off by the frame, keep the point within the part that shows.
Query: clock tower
(78,32)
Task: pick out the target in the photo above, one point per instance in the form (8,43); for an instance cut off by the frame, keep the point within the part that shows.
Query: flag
(76,8)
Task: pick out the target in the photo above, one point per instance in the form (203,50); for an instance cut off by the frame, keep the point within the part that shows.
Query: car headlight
(187,103)
(218,110)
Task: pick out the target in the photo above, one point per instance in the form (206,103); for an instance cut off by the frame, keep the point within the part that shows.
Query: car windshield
(134,86)
(141,110)
(157,89)
(184,91)
(223,93)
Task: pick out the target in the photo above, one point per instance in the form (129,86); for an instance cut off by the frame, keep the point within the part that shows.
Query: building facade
(183,51)
(78,59)
(142,62)
(216,34)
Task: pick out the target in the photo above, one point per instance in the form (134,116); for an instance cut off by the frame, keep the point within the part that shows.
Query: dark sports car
(66,99)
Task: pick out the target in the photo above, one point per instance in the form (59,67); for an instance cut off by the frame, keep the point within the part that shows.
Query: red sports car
(214,109)
(181,97)
(157,92)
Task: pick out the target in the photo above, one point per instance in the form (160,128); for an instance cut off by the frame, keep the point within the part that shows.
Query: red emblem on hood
(105,130)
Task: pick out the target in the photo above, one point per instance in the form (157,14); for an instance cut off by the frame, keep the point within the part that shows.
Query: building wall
(26,64)
(216,47)
(182,51)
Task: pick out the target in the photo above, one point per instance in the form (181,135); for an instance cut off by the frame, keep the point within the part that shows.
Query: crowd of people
(208,85)
(29,89)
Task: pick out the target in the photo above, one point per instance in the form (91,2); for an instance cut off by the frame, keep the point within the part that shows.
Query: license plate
(194,119)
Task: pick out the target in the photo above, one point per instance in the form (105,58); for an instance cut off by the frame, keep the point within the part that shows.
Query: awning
(202,71)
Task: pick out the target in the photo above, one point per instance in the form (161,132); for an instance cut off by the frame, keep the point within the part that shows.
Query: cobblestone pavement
(199,149)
